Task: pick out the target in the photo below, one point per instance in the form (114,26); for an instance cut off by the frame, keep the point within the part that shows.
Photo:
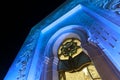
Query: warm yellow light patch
(79,50)
(84,74)
(77,53)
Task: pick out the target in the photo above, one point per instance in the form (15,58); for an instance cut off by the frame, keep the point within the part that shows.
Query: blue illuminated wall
(73,18)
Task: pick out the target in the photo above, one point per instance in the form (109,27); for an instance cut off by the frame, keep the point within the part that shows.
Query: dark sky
(17,18)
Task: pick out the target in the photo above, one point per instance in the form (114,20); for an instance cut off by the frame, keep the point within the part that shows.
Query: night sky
(17,19)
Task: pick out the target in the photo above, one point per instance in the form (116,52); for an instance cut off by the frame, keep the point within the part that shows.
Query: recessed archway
(74,63)
(94,52)
(68,32)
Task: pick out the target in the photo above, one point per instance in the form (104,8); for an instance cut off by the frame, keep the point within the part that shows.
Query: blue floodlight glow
(74,10)
(42,45)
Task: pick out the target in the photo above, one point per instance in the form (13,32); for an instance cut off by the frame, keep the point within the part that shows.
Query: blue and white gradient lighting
(68,14)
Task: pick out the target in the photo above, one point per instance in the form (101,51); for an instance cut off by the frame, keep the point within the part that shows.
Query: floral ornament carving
(112,5)
(25,58)
(69,48)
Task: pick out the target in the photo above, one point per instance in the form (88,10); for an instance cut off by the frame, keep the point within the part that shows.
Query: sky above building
(18,18)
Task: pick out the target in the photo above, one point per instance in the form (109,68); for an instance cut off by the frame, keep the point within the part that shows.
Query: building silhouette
(77,35)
